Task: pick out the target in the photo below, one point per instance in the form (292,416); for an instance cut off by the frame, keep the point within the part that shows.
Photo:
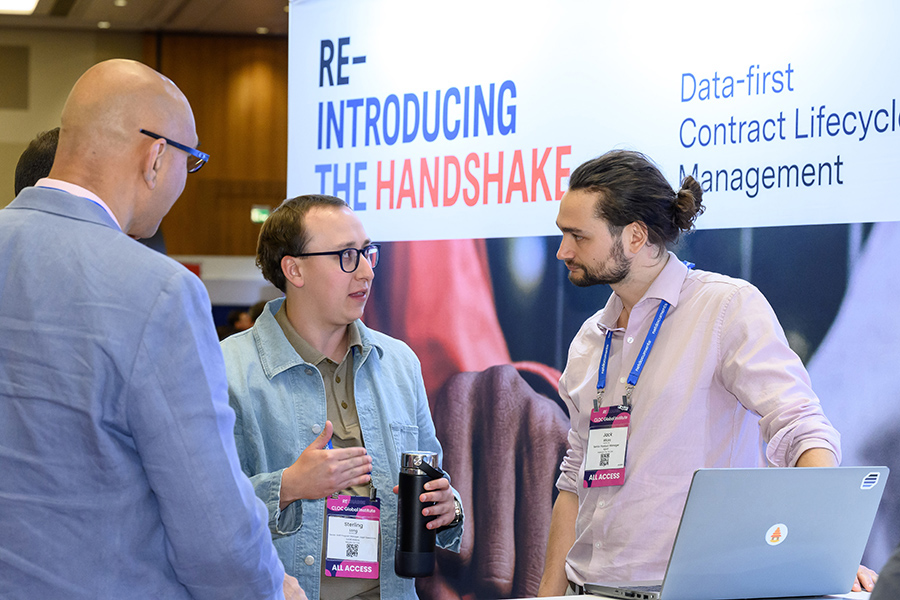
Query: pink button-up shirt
(721,388)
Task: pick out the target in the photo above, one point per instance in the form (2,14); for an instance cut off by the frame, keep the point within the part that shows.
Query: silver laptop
(766,533)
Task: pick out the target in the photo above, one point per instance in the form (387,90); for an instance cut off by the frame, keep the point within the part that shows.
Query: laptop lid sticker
(870,481)
(776,534)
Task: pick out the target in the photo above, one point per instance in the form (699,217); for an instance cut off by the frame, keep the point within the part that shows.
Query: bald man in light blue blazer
(120,477)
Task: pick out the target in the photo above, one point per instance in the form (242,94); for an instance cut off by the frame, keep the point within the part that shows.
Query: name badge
(351,547)
(604,459)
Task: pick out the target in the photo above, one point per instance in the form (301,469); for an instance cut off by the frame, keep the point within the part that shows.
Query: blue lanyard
(641,360)
(639,363)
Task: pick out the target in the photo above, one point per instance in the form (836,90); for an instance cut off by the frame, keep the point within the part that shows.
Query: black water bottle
(414,556)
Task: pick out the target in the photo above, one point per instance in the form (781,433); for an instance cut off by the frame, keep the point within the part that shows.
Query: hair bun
(688,203)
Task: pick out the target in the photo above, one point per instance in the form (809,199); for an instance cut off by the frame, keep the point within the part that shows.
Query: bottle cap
(410,462)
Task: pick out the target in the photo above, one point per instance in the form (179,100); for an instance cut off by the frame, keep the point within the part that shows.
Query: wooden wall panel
(237,87)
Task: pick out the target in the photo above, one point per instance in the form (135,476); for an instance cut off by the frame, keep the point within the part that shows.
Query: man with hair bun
(717,379)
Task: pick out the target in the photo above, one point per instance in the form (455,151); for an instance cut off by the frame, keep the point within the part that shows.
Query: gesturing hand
(318,472)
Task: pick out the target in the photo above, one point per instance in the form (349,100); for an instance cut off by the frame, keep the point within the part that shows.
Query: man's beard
(620,269)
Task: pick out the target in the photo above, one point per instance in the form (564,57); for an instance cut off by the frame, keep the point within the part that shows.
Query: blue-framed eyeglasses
(196,159)
(350,256)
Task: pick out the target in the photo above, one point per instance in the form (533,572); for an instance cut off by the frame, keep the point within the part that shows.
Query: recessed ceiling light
(104,24)
(17,7)
(262,30)
(120,3)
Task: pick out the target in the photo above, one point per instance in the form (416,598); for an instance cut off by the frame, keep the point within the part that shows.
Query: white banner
(465,119)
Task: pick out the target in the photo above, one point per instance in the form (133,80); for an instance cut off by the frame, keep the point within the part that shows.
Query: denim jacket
(279,401)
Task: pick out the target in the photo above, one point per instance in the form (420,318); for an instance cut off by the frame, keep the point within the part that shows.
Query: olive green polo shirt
(341,408)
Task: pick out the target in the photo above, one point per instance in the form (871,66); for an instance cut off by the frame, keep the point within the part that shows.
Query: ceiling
(183,16)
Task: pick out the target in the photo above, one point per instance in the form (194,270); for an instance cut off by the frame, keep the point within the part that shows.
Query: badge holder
(351,548)
(605,457)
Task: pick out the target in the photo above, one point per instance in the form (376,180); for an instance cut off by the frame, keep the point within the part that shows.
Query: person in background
(120,474)
(35,163)
(37,159)
(686,368)
(238,320)
(325,406)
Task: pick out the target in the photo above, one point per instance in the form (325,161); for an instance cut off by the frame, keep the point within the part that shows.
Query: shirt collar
(667,286)
(276,354)
(77,190)
(306,351)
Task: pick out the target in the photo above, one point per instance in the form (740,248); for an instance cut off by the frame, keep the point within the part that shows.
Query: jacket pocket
(406,438)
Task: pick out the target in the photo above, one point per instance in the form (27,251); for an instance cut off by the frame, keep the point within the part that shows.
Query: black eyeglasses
(350,256)
(196,159)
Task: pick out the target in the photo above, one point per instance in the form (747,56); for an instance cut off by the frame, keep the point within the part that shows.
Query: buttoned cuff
(281,522)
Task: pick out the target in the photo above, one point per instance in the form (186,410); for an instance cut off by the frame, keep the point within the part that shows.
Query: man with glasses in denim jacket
(326,405)
(120,477)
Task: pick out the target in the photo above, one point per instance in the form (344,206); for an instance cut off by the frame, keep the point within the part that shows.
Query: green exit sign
(259,213)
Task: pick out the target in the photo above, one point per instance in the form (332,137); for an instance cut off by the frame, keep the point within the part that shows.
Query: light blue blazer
(119,476)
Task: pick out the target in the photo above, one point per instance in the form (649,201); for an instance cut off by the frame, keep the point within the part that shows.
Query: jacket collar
(276,354)
(64,204)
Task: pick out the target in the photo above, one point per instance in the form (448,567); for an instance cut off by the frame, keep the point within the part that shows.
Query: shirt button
(338,380)
(597,544)
(600,503)
(621,380)
(343,405)
(630,339)
(309,371)
(309,560)
(316,429)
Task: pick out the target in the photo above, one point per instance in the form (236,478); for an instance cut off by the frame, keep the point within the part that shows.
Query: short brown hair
(283,234)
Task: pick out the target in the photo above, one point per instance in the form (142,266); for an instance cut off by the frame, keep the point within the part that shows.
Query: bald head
(101,147)
(114,99)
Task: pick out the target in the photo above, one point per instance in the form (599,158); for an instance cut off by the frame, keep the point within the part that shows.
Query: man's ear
(153,162)
(635,237)
(293,274)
